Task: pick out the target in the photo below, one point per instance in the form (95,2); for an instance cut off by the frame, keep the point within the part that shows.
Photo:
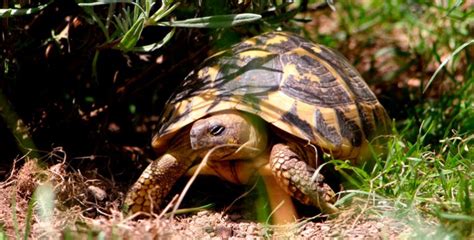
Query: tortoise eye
(216,130)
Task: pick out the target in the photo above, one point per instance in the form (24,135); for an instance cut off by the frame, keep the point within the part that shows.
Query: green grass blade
(3,235)
(98,21)
(14,216)
(466,202)
(460,217)
(218,21)
(94,64)
(459,49)
(457,4)
(29,217)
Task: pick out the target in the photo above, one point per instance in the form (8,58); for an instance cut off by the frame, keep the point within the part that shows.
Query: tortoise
(270,105)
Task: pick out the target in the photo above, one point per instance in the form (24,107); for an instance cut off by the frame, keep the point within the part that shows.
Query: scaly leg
(153,185)
(294,175)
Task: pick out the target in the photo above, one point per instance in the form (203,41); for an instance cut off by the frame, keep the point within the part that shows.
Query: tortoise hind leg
(293,174)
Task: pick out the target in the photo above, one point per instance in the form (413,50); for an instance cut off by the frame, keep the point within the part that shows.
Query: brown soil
(86,206)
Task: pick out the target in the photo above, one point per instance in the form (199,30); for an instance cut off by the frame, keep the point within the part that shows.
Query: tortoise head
(233,134)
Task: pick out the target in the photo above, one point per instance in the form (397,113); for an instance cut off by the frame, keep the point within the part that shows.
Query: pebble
(97,192)
(223,232)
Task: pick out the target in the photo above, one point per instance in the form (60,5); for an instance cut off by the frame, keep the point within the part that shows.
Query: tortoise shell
(305,89)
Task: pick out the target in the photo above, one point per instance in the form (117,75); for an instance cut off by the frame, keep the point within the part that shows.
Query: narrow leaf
(102,2)
(161,13)
(157,45)
(218,21)
(460,217)
(29,217)
(457,4)
(130,38)
(7,12)
(459,49)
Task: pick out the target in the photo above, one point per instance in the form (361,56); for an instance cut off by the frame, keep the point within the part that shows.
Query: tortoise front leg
(153,185)
(294,175)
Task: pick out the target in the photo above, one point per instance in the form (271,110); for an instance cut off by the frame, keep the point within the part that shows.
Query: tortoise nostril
(193,139)
(192,133)
(196,130)
(195,136)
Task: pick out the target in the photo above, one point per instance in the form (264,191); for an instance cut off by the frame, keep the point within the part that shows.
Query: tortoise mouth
(228,152)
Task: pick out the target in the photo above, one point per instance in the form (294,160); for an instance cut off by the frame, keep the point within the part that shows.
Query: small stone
(325,228)
(97,192)
(202,213)
(251,229)
(223,232)
(379,225)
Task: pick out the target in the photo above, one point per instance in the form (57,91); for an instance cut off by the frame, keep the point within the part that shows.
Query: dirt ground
(90,206)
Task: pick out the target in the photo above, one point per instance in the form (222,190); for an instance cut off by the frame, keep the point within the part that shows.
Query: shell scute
(349,128)
(325,129)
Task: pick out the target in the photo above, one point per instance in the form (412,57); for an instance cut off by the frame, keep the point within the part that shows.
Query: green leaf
(130,38)
(102,2)
(454,216)
(157,45)
(457,4)
(162,12)
(218,21)
(7,12)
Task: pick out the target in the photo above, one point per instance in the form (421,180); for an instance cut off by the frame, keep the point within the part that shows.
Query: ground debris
(89,205)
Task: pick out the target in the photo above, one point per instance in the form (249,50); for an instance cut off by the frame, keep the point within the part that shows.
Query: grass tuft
(435,182)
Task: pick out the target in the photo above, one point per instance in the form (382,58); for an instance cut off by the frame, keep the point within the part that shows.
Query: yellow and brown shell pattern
(302,88)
